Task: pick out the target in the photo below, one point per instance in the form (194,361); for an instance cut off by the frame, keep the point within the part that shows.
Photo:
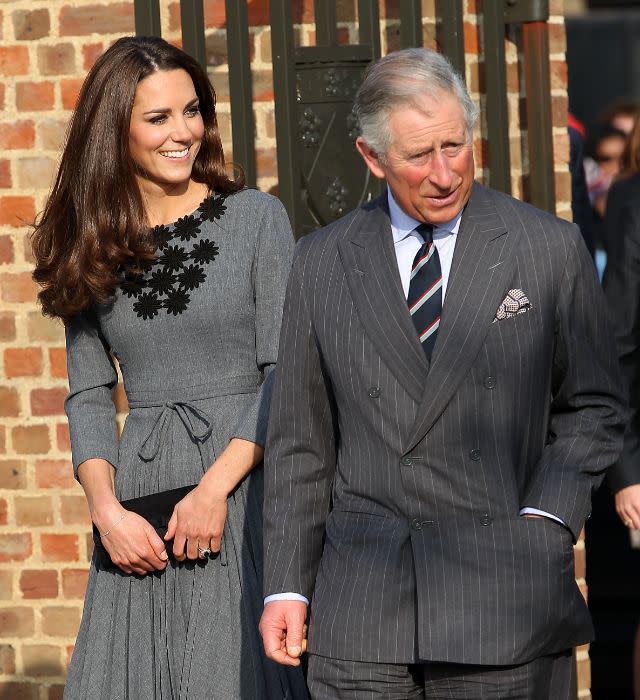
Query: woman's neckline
(184,213)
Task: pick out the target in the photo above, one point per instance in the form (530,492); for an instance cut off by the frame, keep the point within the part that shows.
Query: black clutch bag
(156,508)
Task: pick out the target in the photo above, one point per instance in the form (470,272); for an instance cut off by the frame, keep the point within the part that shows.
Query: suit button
(374,392)
(485,519)
(406,462)
(416,524)
(475,455)
(490,382)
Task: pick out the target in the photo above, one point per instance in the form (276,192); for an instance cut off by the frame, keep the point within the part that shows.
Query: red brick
(6,584)
(33,510)
(22,362)
(29,25)
(58,362)
(51,133)
(62,437)
(9,402)
(7,326)
(70,89)
(15,547)
(53,474)
(56,547)
(32,97)
(74,583)
(471,38)
(19,134)
(36,584)
(61,621)
(6,250)
(17,211)
(57,60)
(22,690)
(90,53)
(74,510)
(7,659)
(14,60)
(42,660)
(48,402)
(3,512)
(41,328)
(114,18)
(13,473)
(3,439)
(5,173)
(31,439)
(2,94)
(56,692)
(35,173)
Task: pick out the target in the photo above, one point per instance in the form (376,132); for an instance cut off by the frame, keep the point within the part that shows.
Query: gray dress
(196,337)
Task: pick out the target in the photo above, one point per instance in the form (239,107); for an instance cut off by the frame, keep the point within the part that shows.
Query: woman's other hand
(628,506)
(133,544)
(197,523)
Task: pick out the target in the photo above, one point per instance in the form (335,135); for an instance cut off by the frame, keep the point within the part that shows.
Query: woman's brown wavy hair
(630,161)
(93,223)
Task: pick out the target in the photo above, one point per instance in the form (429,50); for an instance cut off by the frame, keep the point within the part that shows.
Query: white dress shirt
(407,242)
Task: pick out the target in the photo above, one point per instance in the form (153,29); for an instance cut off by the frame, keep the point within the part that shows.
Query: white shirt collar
(402,224)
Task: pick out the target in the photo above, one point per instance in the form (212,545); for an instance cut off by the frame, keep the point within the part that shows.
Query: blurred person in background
(622,289)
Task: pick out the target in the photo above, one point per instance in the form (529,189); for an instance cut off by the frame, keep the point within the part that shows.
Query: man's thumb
(294,635)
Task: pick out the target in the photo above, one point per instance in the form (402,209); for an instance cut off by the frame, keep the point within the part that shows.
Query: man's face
(429,164)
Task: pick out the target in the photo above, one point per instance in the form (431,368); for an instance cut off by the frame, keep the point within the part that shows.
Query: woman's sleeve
(89,406)
(274,253)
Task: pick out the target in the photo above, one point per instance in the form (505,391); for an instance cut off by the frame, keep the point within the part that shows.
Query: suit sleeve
(301,451)
(622,288)
(586,418)
(274,250)
(89,407)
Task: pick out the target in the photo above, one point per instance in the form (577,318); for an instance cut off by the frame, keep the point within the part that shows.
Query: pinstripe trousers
(544,678)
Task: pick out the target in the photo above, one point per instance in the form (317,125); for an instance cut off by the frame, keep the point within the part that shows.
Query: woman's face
(166,128)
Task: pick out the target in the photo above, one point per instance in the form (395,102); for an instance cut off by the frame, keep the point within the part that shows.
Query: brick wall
(46,48)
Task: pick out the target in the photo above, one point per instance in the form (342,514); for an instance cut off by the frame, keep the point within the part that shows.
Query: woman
(150,253)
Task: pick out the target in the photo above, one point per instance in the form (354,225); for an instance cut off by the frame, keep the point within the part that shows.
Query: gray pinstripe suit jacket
(393,488)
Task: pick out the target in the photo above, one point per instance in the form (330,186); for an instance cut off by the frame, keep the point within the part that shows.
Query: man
(446,400)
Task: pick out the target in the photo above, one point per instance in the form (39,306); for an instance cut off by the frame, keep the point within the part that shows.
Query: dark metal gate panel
(321,175)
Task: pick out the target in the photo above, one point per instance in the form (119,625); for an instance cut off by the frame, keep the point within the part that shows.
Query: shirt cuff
(543,513)
(286,596)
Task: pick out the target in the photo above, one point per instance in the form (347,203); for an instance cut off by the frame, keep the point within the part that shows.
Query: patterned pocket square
(514,303)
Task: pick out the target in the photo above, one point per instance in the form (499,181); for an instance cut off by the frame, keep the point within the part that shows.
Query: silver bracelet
(119,520)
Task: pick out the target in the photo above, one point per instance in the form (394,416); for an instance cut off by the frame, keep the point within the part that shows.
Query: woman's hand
(628,506)
(198,522)
(133,544)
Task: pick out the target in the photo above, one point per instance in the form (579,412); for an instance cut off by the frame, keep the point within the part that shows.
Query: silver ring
(204,552)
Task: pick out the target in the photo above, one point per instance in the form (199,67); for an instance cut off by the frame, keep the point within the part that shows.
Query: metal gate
(321,175)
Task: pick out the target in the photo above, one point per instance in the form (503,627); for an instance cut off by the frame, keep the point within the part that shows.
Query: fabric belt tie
(196,421)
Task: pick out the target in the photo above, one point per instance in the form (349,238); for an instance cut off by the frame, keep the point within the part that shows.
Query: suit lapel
(482,265)
(371,269)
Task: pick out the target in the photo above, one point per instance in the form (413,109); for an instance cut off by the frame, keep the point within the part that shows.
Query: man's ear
(371,158)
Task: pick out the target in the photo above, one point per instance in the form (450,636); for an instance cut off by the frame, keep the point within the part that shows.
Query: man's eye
(452,149)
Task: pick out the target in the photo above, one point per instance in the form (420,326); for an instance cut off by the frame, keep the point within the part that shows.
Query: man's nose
(440,173)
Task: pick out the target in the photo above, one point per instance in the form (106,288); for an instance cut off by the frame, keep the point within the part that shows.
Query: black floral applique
(166,281)
(147,306)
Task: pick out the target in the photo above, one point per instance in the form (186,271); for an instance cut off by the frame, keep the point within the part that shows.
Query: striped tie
(425,291)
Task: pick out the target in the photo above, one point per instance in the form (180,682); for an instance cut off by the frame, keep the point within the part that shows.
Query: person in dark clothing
(580,205)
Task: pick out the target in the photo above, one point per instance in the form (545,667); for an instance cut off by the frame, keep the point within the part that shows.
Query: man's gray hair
(399,79)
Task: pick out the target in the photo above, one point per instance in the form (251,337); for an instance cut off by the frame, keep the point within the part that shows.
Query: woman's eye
(157,120)
(193,110)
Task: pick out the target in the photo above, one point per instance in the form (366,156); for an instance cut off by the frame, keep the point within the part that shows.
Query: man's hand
(628,506)
(283,631)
